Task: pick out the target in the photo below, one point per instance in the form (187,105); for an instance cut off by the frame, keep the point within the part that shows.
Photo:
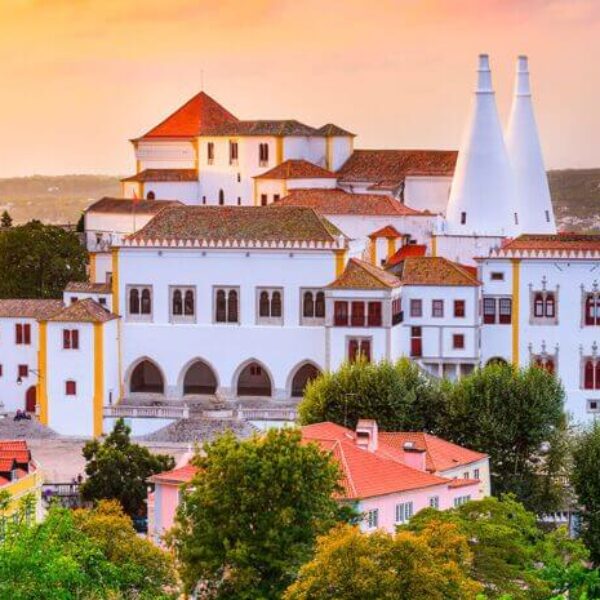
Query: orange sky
(80,77)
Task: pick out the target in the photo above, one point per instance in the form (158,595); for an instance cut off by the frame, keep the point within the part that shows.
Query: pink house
(387,477)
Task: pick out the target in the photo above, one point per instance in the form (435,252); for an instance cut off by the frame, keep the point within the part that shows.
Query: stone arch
(145,377)
(299,377)
(252,378)
(198,377)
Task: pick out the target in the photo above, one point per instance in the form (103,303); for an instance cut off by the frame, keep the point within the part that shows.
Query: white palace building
(245,257)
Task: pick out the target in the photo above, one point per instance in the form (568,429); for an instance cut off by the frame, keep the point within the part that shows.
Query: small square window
(593,406)
(70,388)
(497,276)
(458,341)
(23,371)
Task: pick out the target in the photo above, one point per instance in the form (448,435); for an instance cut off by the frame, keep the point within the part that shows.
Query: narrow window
(489,311)
(18,333)
(177,303)
(547,212)
(27,334)
(308,307)
(516,218)
(550,306)
(239,201)
(416,342)
(416,308)
(276,197)
(320,305)
(352,350)
(210,153)
(365,350)
(597,375)
(538,305)
(340,310)
(70,388)
(203,199)
(459,308)
(505,311)
(221,197)
(221,307)
(374,315)
(233,153)
(358,314)
(463,218)
(232,307)
(263,200)
(588,377)
(146,303)
(437,308)
(189,303)
(75,339)
(276,304)
(263,309)
(134,301)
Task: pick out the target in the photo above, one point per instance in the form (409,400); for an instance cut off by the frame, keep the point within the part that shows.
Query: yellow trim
(92,256)
(42,392)
(433,245)
(373,252)
(115,281)
(279,150)
(30,484)
(140,190)
(285,189)
(98,377)
(196,146)
(391,247)
(120,358)
(516,281)
(328,160)
(340,262)
(255,191)
(138,166)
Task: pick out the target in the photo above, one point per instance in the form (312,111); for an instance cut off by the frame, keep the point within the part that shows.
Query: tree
(250,517)
(6,220)
(585,478)
(37,261)
(348,565)
(511,554)
(399,395)
(516,417)
(118,469)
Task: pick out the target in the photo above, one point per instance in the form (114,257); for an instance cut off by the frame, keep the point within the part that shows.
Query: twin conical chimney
(522,140)
(483,196)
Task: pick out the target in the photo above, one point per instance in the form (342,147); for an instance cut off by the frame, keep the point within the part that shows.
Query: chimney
(525,154)
(483,194)
(414,457)
(367,434)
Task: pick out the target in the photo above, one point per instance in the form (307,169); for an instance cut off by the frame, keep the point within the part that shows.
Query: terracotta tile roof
(561,241)
(180,475)
(331,130)
(360,275)
(10,445)
(458,483)
(434,270)
(19,456)
(128,205)
(197,115)
(389,231)
(278,128)
(366,474)
(387,169)
(340,202)
(296,169)
(88,287)
(84,311)
(440,454)
(7,465)
(407,251)
(164,175)
(238,223)
(30,309)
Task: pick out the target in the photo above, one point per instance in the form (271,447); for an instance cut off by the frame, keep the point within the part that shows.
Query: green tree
(37,261)
(585,477)
(432,564)
(6,220)
(118,469)
(399,395)
(250,517)
(516,417)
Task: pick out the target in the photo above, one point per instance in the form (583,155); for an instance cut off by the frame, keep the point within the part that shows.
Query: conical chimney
(525,154)
(483,195)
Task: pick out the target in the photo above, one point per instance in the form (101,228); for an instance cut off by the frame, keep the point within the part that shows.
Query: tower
(525,154)
(483,195)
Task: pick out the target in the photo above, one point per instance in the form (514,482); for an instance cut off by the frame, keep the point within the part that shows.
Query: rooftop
(560,241)
(332,130)
(177,476)
(129,206)
(434,270)
(88,287)
(359,274)
(389,231)
(30,309)
(340,202)
(84,311)
(173,175)
(296,169)
(407,251)
(278,128)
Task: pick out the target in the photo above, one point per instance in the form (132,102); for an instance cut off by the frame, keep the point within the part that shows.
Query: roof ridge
(347,469)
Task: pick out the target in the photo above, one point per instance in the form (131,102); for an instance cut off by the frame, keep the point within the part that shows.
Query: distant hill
(61,199)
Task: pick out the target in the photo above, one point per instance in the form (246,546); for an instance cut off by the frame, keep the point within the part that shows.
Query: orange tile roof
(30,309)
(296,169)
(340,202)
(84,311)
(561,241)
(332,130)
(196,116)
(7,465)
(387,169)
(407,251)
(20,456)
(440,454)
(360,275)
(178,476)
(389,231)
(88,287)
(176,175)
(458,483)
(366,474)
(262,127)
(238,223)
(129,206)
(6,445)
(435,270)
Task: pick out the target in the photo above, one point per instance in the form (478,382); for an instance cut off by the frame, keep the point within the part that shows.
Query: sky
(79,78)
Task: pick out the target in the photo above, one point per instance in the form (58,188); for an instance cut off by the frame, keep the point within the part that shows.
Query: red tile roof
(561,241)
(7,465)
(340,202)
(387,169)
(88,287)
(277,128)
(20,456)
(407,251)
(176,175)
(177,476)
(7,445)
(129,205)
(389,231)
(440,454)
(199,114)
(332,130)
(30,309)
(296,169)
(84,311)
(458,483)
(434,270)
(360,275)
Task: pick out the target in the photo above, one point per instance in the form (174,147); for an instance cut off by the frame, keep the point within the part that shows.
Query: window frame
(268,319)
(416,308)
(458,341)
(234,152)
(359,342)
(227,289)
(372,518)
(70,339)
(139,316)
(210,153)
(437,305)
(460,308)
(70,387)
(182,318)
(312,319)
(404,511)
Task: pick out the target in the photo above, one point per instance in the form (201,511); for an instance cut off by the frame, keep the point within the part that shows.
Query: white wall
(464,249)
(427,193)
(165,155)
(184,191)
(341,150)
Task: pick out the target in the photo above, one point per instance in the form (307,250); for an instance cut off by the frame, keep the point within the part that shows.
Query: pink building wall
(166,500)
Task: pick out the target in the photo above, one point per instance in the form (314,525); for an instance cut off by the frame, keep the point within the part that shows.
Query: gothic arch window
(226,305)
(199,379)
(183,304)
(308,305)
(303,376)
(270,306)
(177,303)
(592,309)
(134,301)
(146,303)
(253,380)
(591,373)
(139,302)
(146,378)
(544,306)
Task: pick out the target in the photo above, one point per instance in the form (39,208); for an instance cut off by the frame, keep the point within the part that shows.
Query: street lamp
(20,379)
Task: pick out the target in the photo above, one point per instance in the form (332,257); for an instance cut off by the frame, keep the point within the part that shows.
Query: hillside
(575,192)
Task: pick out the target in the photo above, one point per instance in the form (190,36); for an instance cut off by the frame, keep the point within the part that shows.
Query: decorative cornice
(232,244)
(544,254)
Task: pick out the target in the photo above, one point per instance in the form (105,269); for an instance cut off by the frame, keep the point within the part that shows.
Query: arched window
(221,312)
(263,309)
(308,309)
(151,196)
(590,310)
(549,366)
(199,379)
(320,305)
(254,381)
(550,308)
(221,197)
(134,301)
(276,304)
(177,303)
(304,375)
(189,303)
(146,304)
(588,375)
(232,307)
(146,378)
(538,305)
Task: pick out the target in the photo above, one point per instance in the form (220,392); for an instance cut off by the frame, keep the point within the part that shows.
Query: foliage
(516,417)
(6,220)
(432,564)
(80,228)
(397,394)
(37,261)
(118,469)
(585,477)
(250,516)
(67,557)
(511,555)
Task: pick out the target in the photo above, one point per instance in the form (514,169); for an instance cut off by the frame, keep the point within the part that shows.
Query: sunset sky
(78,78)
